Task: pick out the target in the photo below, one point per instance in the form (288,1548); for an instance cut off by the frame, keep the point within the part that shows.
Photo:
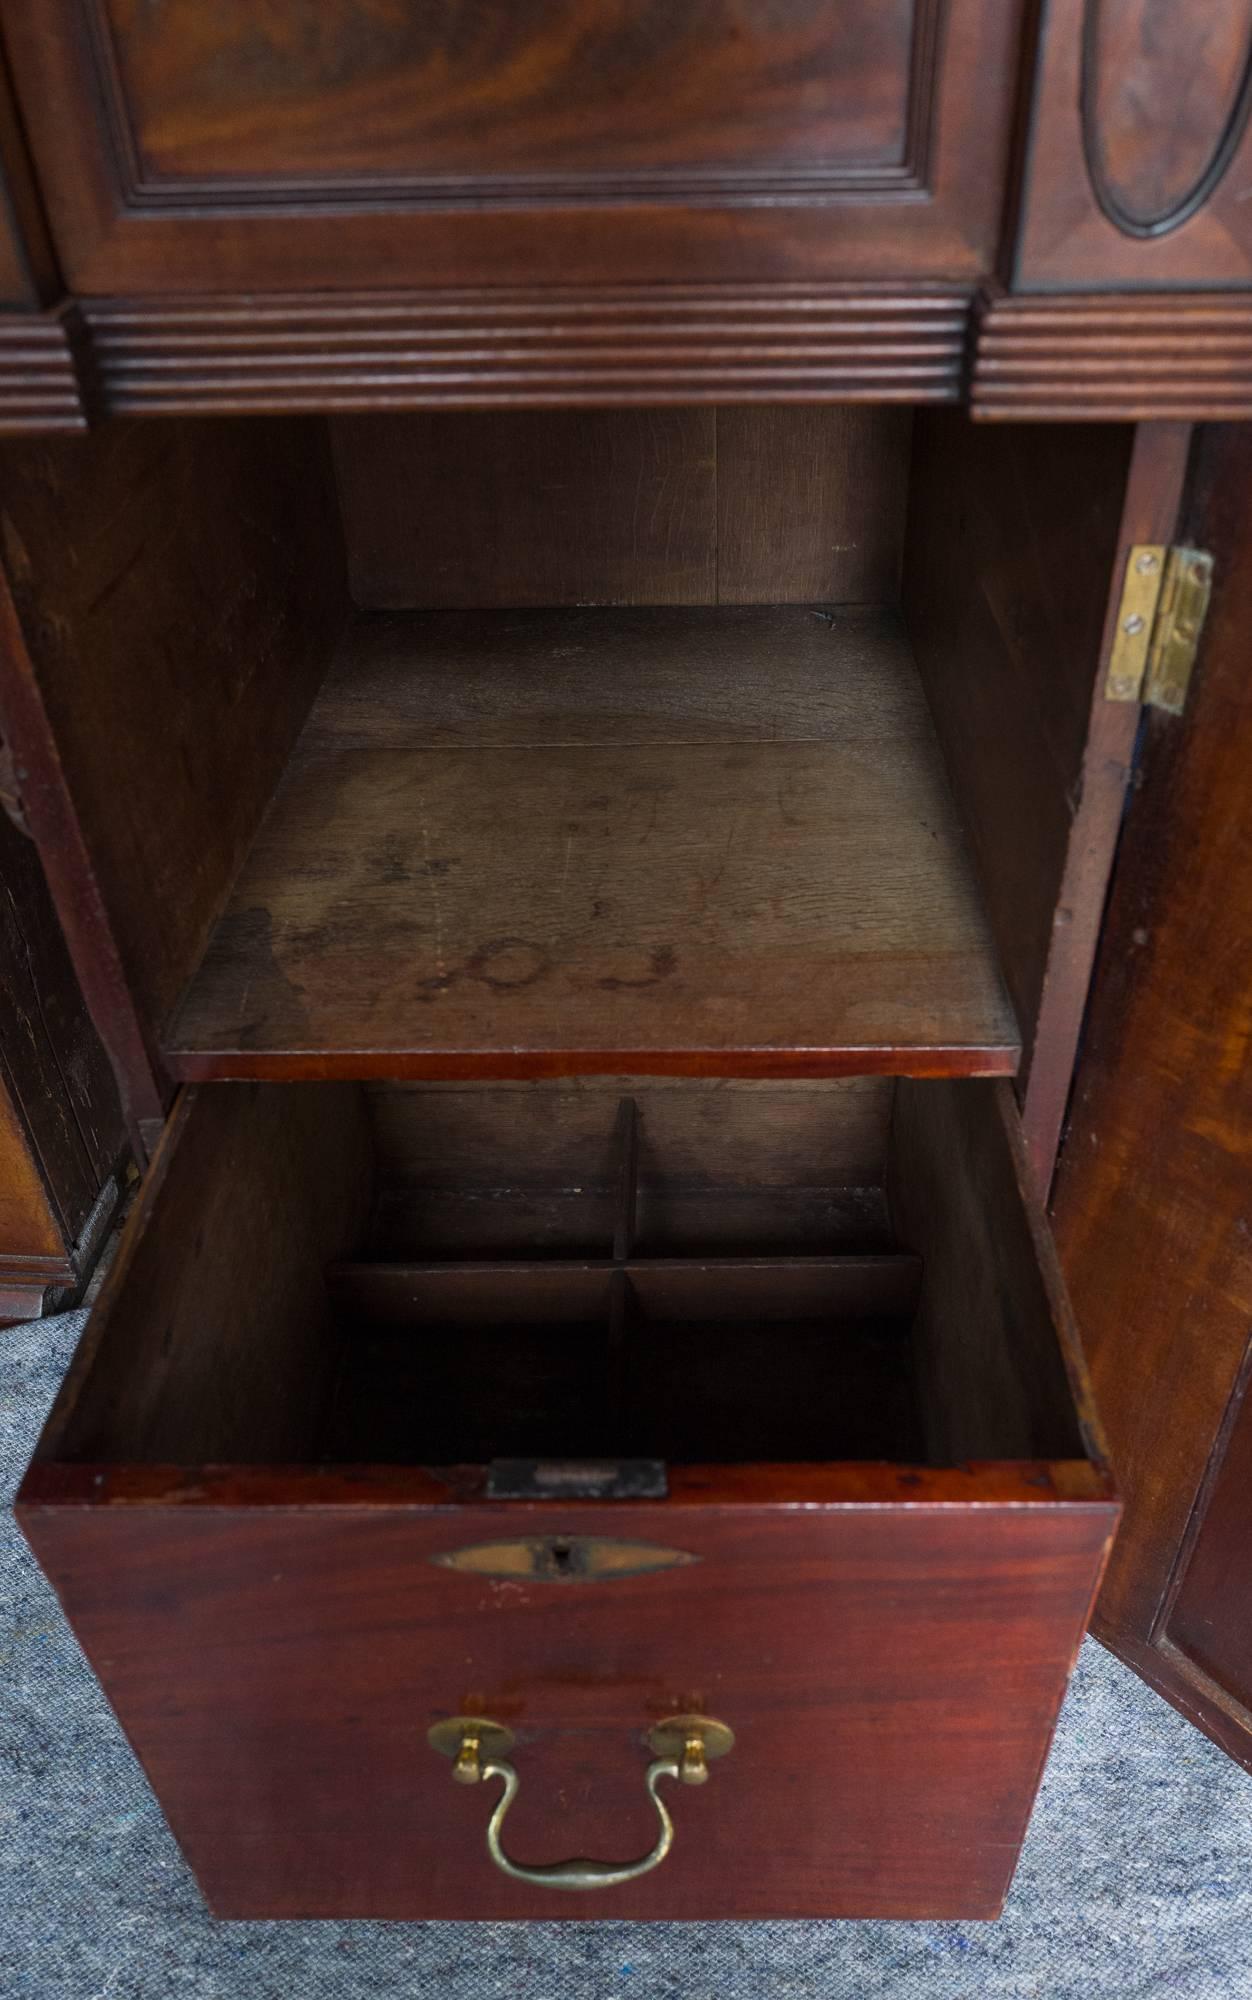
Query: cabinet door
(337,143)
(1152,1207)
(1137,168)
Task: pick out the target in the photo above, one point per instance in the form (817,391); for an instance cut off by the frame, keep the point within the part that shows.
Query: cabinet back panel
(561,507)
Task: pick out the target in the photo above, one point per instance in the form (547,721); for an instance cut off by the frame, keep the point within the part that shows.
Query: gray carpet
(1136,1879)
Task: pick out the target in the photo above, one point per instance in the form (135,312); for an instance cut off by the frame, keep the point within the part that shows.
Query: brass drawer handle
(682,1747)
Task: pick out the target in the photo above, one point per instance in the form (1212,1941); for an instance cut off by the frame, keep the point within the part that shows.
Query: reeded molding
(1126,356)
(43,371)
(515,347)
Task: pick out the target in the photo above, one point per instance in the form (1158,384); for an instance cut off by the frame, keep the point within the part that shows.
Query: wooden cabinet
(598,1014)
(583,809)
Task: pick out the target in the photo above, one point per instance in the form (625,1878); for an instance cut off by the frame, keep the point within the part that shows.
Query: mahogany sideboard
(603,637)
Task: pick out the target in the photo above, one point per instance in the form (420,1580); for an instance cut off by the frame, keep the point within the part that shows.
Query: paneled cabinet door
(1152,1196)
(342,143)
(1139,151)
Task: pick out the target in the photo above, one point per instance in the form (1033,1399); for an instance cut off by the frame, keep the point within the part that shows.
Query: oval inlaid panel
(1165,98)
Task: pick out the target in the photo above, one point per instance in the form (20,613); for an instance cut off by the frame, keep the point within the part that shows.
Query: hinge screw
(1146,563)
(1133,624)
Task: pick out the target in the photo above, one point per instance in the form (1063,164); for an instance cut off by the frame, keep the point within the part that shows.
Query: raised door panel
(1139,152)
(331,143)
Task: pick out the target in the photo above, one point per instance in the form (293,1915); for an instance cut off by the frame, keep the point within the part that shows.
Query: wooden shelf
(654,841)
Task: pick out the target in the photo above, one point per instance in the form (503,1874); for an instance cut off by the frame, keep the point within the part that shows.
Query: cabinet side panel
(1017,544)
(165,671)
(212,1338)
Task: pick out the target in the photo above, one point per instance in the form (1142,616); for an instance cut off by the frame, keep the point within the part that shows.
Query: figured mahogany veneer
(1138,151)
(305,149)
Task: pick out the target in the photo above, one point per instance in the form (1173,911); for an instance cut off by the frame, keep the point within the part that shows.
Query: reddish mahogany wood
(43,373)
(277,1669)
(1139,148)
(1151,1196)
(1090,358)
(276,1639)
(550,345)
(447,146)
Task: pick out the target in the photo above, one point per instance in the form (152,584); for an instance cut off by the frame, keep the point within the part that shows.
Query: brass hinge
(1165,598)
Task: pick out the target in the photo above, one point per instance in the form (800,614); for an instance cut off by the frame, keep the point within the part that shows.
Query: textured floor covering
(1136,1880)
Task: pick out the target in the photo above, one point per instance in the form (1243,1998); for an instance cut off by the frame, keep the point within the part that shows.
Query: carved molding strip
(532,347)
(43,371)
(1129,356)
(1230,123)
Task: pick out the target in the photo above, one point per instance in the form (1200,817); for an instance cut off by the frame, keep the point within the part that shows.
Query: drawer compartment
(579,1406)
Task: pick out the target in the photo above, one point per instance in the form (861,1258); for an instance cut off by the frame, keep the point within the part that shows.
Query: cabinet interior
(577,832)
(714,741)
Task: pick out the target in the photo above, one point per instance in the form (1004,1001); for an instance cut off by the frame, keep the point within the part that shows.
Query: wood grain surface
(153,686)
(1151,1197)
(529,844)
(450,144)
(694,506)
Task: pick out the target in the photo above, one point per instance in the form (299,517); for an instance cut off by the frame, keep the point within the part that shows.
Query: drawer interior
(696,1274)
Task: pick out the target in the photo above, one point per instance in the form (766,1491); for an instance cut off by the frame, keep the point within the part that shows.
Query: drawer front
(341,142)
(1139,154)
(891,1673)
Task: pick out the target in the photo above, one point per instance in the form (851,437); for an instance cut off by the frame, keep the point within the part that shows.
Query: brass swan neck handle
(683,1744)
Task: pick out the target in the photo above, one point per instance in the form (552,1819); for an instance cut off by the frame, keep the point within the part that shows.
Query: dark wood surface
(723,1167)
(1000,1365)
(1151,1193)
(571,140)
(153,687)
(1090,357)
(61,1129)
(728,848)
(694,506)
(1139,148)
(1018,541)
(533,345)
(214,1306)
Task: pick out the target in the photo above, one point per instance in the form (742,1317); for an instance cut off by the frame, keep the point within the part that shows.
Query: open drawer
(579,1407)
